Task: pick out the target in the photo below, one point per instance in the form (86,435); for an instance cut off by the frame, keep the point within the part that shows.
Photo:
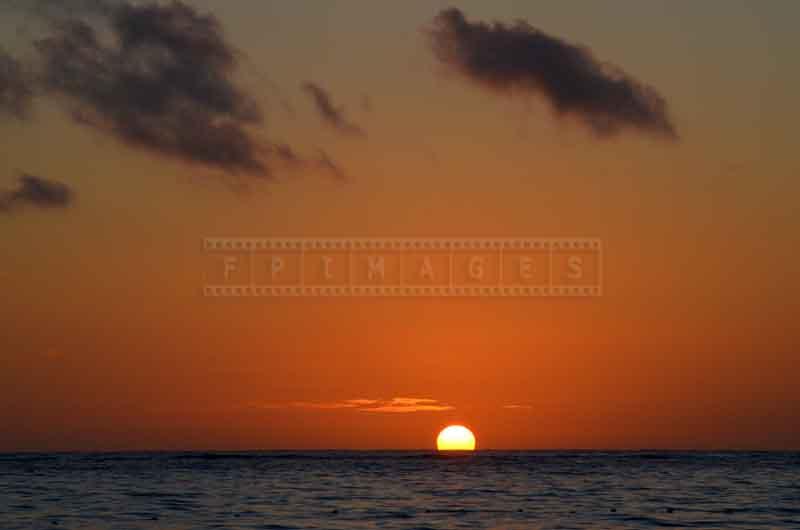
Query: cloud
(330,113)
(158,76)
(395,405)
(16,90)
(293,160)
(155,76)
(326,163)
(405,405)
(521,58)
(37,192)
(363,402)
(517,407)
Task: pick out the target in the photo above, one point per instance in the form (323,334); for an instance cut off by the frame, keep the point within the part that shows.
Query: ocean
(400,490)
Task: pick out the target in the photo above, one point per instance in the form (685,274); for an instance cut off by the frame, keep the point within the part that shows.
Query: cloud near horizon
(401,405)
(36,191)
(520,58)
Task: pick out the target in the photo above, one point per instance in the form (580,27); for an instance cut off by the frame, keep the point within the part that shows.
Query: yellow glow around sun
(455,438)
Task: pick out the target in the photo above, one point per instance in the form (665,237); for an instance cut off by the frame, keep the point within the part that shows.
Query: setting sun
(455,438)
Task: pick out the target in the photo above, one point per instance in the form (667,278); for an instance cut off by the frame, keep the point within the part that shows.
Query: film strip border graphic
(292,267)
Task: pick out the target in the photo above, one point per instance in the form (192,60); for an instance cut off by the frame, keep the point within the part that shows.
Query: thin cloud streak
(329,112)
(397,405)
(327,164)
(406,405)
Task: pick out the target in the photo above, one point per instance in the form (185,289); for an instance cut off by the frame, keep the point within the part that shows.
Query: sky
(132,131)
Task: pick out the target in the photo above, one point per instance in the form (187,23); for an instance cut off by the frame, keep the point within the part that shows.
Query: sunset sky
(383,119)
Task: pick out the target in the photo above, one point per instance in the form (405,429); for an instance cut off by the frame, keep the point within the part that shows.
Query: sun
(455,438)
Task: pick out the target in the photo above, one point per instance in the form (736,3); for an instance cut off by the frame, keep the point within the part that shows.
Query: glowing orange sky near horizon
(108,345)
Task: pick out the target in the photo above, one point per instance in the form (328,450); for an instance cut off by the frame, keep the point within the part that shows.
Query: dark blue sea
(408,490)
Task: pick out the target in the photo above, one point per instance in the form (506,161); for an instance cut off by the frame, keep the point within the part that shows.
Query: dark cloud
(156,76)
(16,90)
(38,192)
(519,57)
(330,113)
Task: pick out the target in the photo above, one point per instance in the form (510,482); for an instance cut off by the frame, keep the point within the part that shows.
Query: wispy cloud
(363,402)
(329,112)
(404,405)
(517,407)
(37,192)
(400,405)
(521,58)
(326,163)
(345,404)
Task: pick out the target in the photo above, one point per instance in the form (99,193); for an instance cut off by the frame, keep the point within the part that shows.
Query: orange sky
(108,344)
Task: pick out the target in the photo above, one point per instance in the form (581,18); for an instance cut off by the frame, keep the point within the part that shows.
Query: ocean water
(408,490)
